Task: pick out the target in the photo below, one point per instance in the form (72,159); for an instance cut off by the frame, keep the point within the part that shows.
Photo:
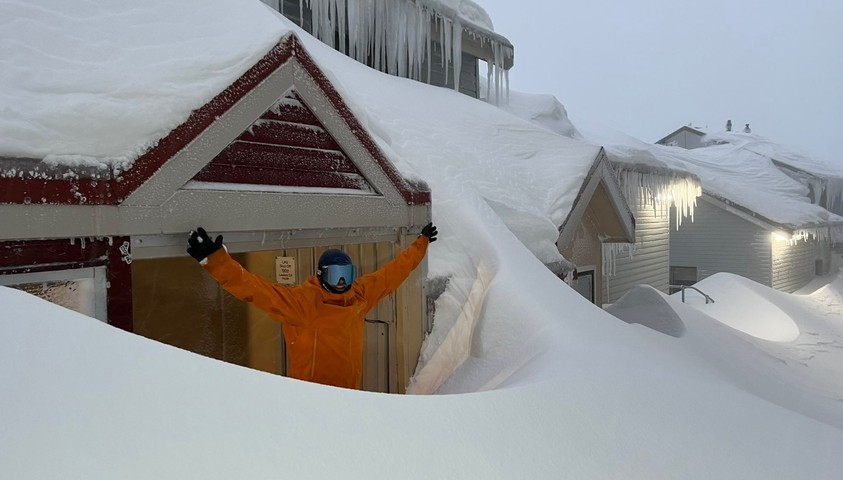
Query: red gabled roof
(288,146)
(33,183)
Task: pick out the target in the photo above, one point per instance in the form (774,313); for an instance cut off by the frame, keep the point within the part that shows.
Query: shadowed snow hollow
(649,307)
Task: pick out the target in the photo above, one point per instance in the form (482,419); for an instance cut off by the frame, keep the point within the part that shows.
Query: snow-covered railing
(708,299)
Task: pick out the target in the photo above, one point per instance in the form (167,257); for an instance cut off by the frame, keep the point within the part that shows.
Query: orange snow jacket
(323,330)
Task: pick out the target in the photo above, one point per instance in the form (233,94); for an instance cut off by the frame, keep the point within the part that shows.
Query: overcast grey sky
(648,67)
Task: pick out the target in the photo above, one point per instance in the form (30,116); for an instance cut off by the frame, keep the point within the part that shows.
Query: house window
(442,75)
(81,290)
(584,284)
(297,11)
(680,276)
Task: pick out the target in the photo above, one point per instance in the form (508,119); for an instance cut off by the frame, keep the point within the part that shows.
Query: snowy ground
(594,397)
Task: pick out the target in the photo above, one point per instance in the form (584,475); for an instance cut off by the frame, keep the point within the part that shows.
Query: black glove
(201,245)
(430,232)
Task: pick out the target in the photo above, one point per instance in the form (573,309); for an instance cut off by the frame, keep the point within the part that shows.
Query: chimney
(728,125)
(746,129)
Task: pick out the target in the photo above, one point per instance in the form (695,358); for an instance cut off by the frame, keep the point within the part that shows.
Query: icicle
(445,41)
(429,45)
(395,36)
(506,78)
(489,83)
(337,13)
(610,256)
(823,234)
(498,52)
(660,192)
(456,38)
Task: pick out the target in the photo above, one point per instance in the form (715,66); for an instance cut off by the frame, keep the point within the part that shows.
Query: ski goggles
(331,274)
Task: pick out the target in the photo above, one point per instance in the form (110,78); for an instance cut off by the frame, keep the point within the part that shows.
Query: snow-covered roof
(106,107)
(783,154)
(737,168)
(465,10)
(544,110)
(775,151)
(530,175)
(81,86)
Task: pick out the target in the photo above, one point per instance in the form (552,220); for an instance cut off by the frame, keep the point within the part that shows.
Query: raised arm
(387,279)
(277,300)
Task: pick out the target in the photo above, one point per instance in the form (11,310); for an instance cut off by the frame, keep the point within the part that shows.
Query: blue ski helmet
(334,257)
(336,272)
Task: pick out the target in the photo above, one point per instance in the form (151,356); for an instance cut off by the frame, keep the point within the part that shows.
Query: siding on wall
(684,139)
(719,241)
(650,262)
(584,251)
(469,82)
(793,265)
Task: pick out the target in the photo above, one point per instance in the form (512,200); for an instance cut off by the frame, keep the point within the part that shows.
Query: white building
(765,210)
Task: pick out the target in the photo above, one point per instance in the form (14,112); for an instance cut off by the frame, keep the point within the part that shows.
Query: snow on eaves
(465,10)
(98,83)
(743,177)
(544,110)
(432,132)
(645,180)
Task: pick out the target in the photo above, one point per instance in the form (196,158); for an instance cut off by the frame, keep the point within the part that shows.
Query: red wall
(28,256)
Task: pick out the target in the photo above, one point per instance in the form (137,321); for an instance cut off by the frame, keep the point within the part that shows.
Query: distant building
(687,137)
(727,235)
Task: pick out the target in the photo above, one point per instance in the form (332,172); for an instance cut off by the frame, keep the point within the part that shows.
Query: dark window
(680,276)
(292,9)
(584,284)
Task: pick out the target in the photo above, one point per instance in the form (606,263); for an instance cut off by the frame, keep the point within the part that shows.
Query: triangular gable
(192,145)
(683,129)
(287,146)
(600,188)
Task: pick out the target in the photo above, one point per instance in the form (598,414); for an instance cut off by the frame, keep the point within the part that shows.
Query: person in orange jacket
(324,318)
